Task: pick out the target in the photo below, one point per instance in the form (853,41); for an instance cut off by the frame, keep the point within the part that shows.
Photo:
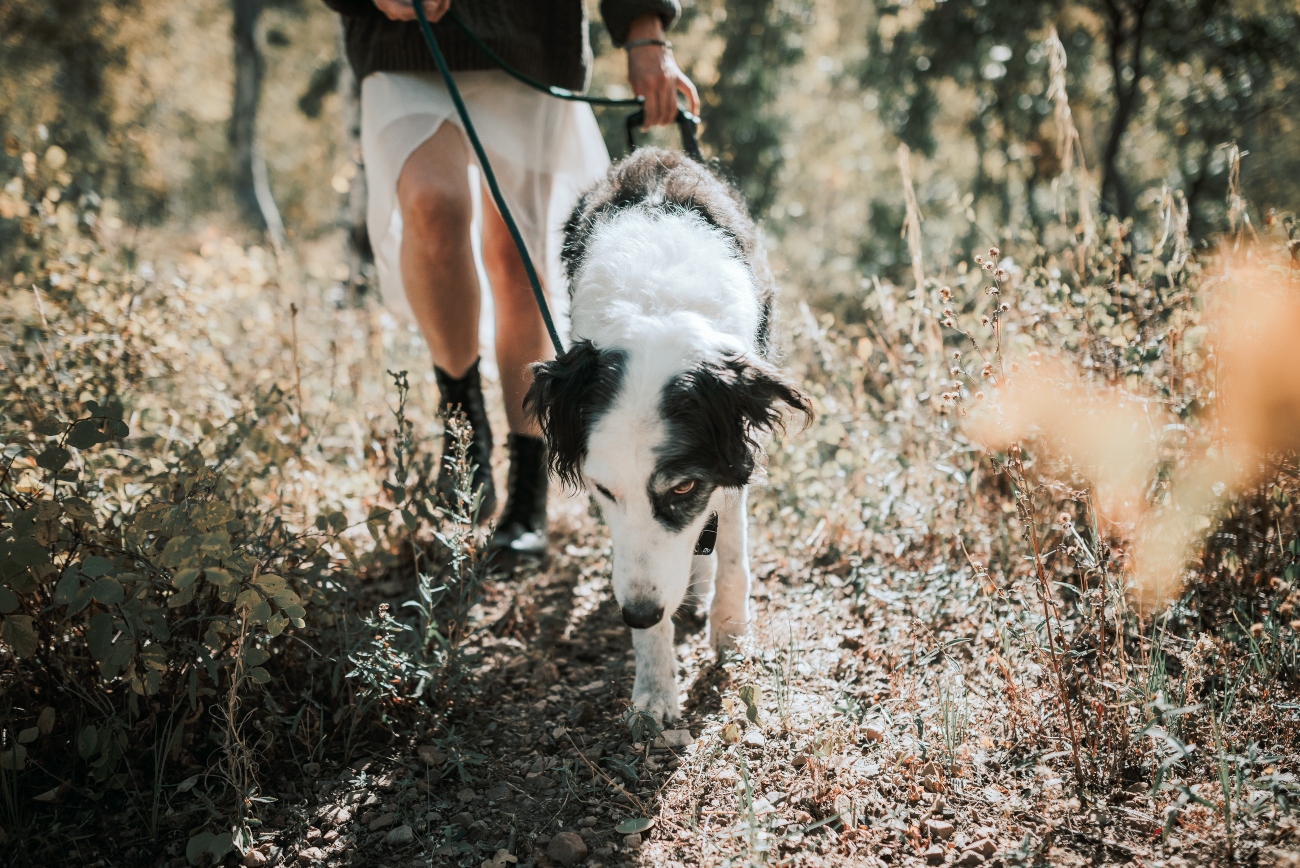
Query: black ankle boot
(521,530)
(466,394)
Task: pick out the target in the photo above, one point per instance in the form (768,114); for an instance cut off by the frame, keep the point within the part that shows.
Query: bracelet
(640,43)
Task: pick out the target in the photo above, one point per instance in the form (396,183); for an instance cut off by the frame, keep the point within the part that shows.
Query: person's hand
(653,74)
(403,10)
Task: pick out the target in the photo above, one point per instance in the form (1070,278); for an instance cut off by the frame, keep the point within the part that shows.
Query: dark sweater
(546,39)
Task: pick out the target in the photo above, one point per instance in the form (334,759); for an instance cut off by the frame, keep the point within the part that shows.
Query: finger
(687,87)
(435,9)
(667,102)
(650,108)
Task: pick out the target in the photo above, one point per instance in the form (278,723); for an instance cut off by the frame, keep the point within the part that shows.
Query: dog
(658,403)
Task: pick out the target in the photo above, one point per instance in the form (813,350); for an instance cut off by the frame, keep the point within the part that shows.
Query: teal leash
(489,176)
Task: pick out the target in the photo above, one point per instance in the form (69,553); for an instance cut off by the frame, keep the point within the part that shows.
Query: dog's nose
(642,614)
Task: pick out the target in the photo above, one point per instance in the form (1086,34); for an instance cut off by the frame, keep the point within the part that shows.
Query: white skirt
(544,152)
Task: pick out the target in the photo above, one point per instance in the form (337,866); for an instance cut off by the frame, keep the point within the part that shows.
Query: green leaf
(99,636)
(67,587)
(95,566)
(256,656)
(215,544)
(45,722)
(53,458)
(259,675)
(219,577)
(87,742)
(260,614)
(196,848)
(76,508)
(275,624)
(19,634)
(49,426)
(179,551)
(211,515)
(85,434)
(27,552)
(751,695)
(634,825)
(294,612)
(108,591)
(8,600)
(182,579)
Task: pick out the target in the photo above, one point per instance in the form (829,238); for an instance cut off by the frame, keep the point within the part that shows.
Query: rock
(383,821)
(342,816)
(431,755)
(497,794)
(678,738)
(754,738)
(632,842)
(969,859)
(936,855)
(873,733)
(983,847)
(311,856)
(581,714)
(537,782)
(464,819)
(254,859)
(546,672)
(940,829)
(567,848)
(400,837)
(885,855)
(467,795)
(932,785)
(313,835)
(311,770)
(587,822)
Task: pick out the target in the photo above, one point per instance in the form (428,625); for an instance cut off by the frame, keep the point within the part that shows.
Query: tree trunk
(249,66)
(1126,26)
(353,213)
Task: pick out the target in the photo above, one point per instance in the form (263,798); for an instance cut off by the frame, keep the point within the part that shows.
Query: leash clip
(687,125)
(708,537)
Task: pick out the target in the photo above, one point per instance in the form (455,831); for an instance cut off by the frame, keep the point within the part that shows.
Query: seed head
(1000,274)
(945,292)
(1004,307)
(955,371)
(984,320)
(979,260)
(994,252)
(1257,630)
(947,311)
(987,373)
(1065,519)
(950,323)
(979,396)
(956,354)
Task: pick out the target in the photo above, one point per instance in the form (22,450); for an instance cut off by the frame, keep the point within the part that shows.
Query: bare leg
(729,614)
(521,334)
(436,259)
(655,688)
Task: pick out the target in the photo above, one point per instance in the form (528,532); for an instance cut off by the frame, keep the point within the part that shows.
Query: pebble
(498,794)
(587,822)
(940,829)
(464,819)
(567,848)
(969,859)
(467,795)
(311,856)
(431,754)
(936,855)
(678,738)
(754,738)
(383,821)
(255,859)
(311,770)
(400,836)
(873,733)
(341,816)
(632,842)
(983,847)
(581,714)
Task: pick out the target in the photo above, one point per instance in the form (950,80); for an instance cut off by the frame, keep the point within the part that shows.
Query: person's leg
(436,259)
(441,285)
(521,339)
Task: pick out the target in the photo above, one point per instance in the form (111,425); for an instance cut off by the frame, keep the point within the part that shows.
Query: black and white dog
(657,404)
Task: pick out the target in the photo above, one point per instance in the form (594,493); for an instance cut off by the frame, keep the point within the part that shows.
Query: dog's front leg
(655,690)
(729,614)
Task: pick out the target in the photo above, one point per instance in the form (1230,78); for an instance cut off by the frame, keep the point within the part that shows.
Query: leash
(686,124)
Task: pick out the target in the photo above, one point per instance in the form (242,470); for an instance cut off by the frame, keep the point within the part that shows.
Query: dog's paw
(725,635)
(661,704)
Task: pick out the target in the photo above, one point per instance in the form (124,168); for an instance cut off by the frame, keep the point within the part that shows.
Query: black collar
(708,537)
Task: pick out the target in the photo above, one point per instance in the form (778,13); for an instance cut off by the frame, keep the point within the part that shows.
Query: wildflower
(994,252)
(947,311)
(1257,630)
(1015,367)
(989,266)
(956,354)
(1065,519)
(950,323)
(1035,356)
(979,396)
(987,373)
(1004,307)
(945,293)
(979,260)
(984,320)
(993,290)
(1000,274)
(954,371)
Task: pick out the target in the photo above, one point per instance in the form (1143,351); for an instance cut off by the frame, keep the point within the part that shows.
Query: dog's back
(653,182)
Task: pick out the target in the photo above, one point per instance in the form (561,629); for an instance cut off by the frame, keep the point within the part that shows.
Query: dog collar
(708,537)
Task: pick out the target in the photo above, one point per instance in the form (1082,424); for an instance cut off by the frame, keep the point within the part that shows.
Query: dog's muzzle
(642,614)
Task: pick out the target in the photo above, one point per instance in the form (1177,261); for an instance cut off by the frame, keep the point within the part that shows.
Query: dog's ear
(721,406)
(567,397)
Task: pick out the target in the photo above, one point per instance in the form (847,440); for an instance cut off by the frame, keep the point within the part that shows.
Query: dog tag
(708,537)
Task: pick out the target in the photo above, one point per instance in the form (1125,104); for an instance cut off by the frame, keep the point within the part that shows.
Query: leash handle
(687,124)
(489,176)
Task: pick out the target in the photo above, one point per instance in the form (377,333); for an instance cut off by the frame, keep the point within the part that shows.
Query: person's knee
(438,210)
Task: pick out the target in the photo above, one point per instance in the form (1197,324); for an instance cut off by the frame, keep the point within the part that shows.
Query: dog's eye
(603,490)
(685,487)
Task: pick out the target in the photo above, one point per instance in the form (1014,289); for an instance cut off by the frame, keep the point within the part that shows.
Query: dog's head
(658,448)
